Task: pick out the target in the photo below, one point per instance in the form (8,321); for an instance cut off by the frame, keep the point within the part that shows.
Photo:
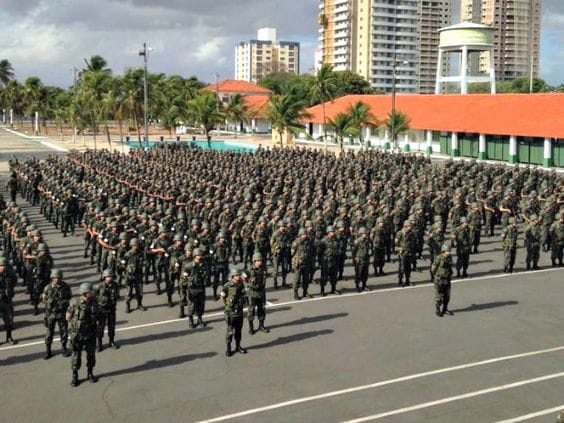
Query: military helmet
(195,222)
(220,234)
(235,271)
(362,231)
(37,232)
(42,247)
(3,261)
(188,246)
(197,252)
(534,217)
(302,231)
(463,220)
(330,229)
(85,287)
(162,229)
(56,273)
(178,237)
(133,241)
(107,273)
(123,236)
(511,220)
(257,256)
(445,248)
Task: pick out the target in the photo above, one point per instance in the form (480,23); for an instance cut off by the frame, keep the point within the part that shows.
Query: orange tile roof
(256,105)
(233,86)
(532,115)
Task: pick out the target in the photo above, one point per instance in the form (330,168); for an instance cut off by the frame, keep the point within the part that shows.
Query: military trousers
(462,259)
(328,274)
(361,272)
(405,263)
(509,255)
(442,293)
(51,320)
(107,317)
(82,343)
(379,259)
(257,303)
(7,313)
(234,327)
(196,302)
(134,288)
(533,255)
(301,278)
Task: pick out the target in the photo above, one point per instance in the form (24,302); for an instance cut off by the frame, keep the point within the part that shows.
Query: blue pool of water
(214,145)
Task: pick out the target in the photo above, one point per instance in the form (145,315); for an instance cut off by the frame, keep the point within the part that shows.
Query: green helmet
(107,274)
(197,252)
(85,287)
(257,256)
(330,229)
(123,236)
(445,248)
(3,261)
(178,237)
(56,273)
(188,246)
(512,220)
(134,241)
(42,247)
(37,232)
(235,271)
(362,231)
(302,231)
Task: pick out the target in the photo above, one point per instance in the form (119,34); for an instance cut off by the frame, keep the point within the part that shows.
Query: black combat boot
(74,380)
(364,287)
(240,349)
(357,287)
(65,351)
(48,353)
(323,291)
(169,301)
(275,283)
(201,322)
(228,352)
(191,323)
(215,297)
(100,345)
(528,266)
(438,311)
(296,295)
(91,377)
(9,339)
(307,294)
(400,283)
(140,305)
(159,292)
(446,310)
(113,344)
(127,307)
(263,328)
(251,327)
(382,271)
(181,314)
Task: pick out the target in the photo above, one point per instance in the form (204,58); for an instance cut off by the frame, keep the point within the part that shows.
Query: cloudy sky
(48,38)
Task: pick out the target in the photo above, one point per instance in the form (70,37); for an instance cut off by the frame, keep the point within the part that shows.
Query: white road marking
(382,383)
(533,415)
(303,301)
(268,303)
(457,398)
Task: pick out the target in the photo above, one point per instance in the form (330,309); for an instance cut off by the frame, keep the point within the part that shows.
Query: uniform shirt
(234,295)
(107,295)
(83,321)
(56,299)
(256,284)
(8,280)
(442,269)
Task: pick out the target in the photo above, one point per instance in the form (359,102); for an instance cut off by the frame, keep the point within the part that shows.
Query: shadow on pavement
(306,320)
(283,340)
(157,364)
(161,336)
(486,306)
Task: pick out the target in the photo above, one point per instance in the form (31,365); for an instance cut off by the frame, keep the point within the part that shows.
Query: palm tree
(323,90)
(206,111)
(6,72)
(343,126)
(61,109)
(94,85)
(362,117)
(12,96)
(237,111)
(133,97)
(286,113)
(97,64)
(31,96)
(397,124)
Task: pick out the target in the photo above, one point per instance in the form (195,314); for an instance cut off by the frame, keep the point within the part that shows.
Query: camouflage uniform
(256,289)
(234,297)
(509,244)
(442,271)
(56,298)
(361,253)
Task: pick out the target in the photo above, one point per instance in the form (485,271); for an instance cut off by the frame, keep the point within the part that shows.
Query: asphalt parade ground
(381,355)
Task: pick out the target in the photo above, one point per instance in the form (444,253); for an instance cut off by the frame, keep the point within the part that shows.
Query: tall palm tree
(286,113)
(97,63)
(94,85)
(32,96)
(237,111)
(362,117)
(343,125)
(133,97)
(13,97)
(206,111)
(6,72)
(397,124)
(61,109)
(323,90)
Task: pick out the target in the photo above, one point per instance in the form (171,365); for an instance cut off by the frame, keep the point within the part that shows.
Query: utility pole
(74,74)
(144,53)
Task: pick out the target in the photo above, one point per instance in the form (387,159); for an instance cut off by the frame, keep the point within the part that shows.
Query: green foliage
(397,124)
(286,112)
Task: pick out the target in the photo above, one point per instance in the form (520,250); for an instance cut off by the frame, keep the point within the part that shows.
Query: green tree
(207,112)
(361,117)
(343,125)
(237,111)
(97,64)
(324,89)
(286,112)
(351,83)
(397,124)
(6,72)
(32,92)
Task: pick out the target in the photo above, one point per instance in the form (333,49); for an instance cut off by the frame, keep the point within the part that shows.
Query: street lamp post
(145,53)
(393,117)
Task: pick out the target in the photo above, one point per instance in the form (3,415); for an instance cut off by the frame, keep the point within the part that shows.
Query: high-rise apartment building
(517,38)
(265,55)
(369,36)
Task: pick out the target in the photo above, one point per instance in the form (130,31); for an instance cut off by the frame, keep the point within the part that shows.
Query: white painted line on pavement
(382,383)
(457,398)
(54,146)
(303,301)
(533,415)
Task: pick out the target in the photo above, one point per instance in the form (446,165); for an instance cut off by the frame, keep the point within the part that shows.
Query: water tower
(466,38)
